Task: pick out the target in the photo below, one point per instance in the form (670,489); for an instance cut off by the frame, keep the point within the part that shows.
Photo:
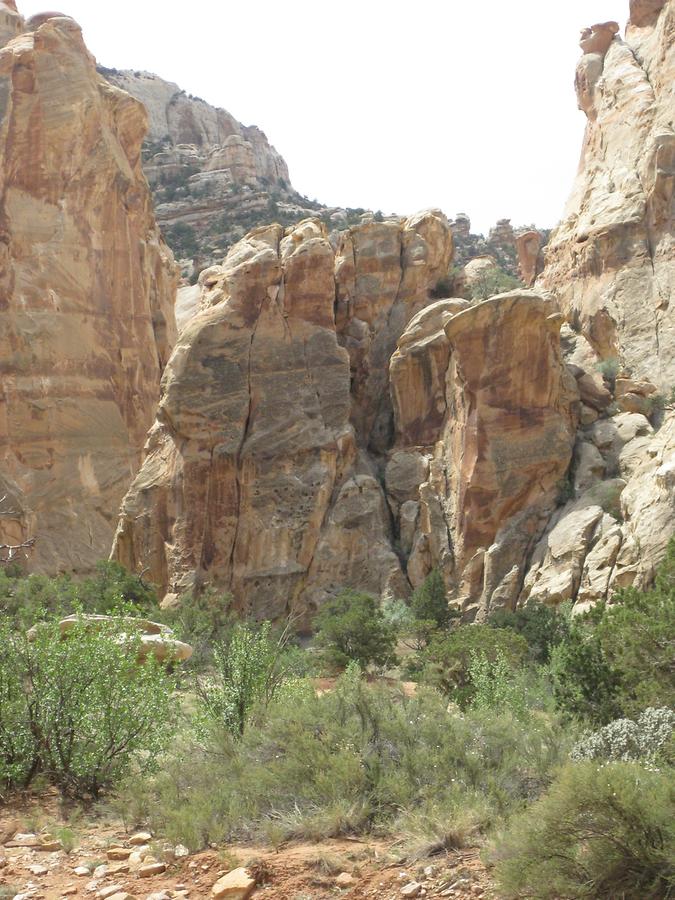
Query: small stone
(100,871)
(106,892)
(22,839)
(141,837)
(159,895)
(49,846)
(180,851)
(429,872)
(119,853)
(411,890)
(68,891)
(122,896)
(82,871)
(236,885)
(38,870)
(92,886)
(150,869)
(344,879)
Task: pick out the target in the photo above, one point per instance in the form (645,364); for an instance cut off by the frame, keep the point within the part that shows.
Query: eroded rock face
(611,262)
(86,293)
(257,477)
(503,440)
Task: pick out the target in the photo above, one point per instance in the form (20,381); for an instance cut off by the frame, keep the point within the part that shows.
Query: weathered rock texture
(212,178)
(86,294)
(611,262)
(289,460)
(485,400)
(262,469)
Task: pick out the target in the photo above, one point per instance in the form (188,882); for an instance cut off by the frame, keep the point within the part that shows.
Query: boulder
(236,885)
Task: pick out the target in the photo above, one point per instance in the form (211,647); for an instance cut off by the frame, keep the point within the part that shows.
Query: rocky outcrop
(503,441)
(280,470)
(212,178)
(530,256)
(611,262)
(86,294)
(262,468)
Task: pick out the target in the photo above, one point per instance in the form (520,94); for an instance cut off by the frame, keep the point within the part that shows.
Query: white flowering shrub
(625,739)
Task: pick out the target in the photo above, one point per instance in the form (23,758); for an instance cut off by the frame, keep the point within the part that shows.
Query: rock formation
(86,294)
(611,262)
(212,177)
(611,267)
(485,406)
(262,468)
(279,468)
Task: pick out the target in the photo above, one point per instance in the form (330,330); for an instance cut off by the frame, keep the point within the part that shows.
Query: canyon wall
(290,460)
(611,262)
(86,294)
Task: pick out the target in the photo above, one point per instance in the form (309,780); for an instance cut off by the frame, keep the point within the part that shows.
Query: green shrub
(25,600)
(80,710)
(203,621)
(492,281)
(448,658)
(543,627)
(609,368)
(249,670)
(429,601)
(599,832)
(495,685)
(358,758)
(625,740)
(585,685)
(617,660)
(352,628)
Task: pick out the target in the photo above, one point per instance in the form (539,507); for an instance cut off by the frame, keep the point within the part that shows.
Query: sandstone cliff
(611,267)
(86,293)
(611,262)
(289,460)
(212,178)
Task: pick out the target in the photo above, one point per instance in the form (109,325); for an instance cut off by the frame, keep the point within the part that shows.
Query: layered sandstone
(290,459)
(262,475)
(485,400)
(611,263)
(86,294)
(212,177)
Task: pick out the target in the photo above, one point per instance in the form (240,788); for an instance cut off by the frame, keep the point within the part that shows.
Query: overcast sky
(464,104)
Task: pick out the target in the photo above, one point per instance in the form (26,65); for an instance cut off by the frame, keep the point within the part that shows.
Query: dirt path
(32,867)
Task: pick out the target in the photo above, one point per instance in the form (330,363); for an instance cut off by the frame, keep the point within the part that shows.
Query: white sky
(463,104)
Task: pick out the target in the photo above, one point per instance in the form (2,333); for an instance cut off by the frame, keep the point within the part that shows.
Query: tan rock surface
(611,262)
(505,413)
(86,294)
(530,258)
(253,480)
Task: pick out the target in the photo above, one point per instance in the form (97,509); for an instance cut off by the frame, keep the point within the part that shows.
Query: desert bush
(585,685)
(203,621)
(599,832)
(80,710)
(609,368)
(25,600)
(617,660)
(543,627)
(429,602)
(492,281)
(357,758)
(625,739)
(495,685)
(353,628)
(248,671)
(448,658)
